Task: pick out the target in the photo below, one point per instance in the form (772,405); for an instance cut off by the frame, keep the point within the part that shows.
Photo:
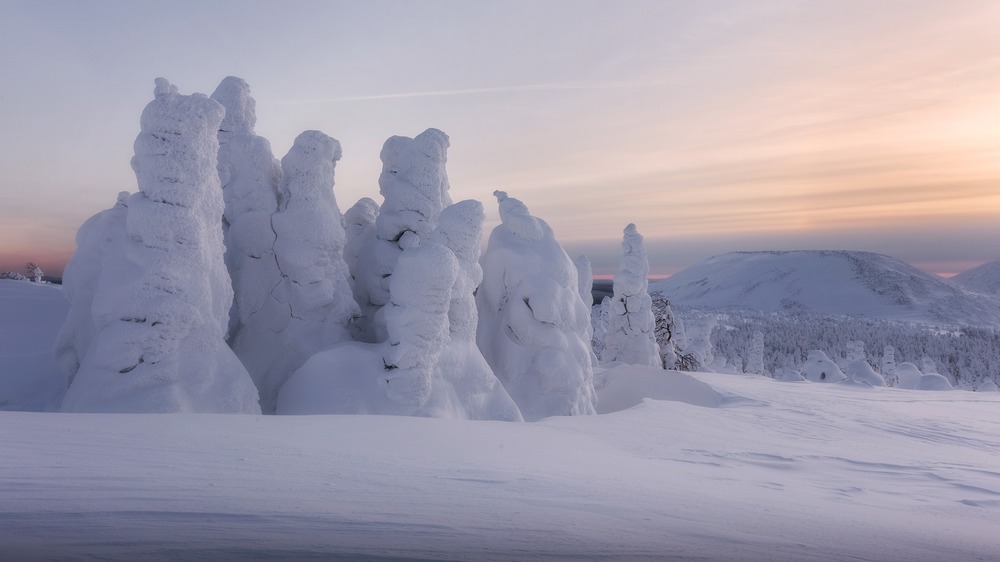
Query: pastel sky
(713,125)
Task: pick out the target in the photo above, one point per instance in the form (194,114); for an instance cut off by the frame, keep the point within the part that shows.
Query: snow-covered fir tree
(755,361)
(251,177)
(631,336)
(888,366)
(312,292)
(359,226)
(153,339)
(532,321)
(414,186)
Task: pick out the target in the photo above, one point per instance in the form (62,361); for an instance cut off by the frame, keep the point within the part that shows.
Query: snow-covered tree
(34,272)
(429,365)
(310,305)
(631,337)
(532,321)
(359,225)
(251,178)
(888,369)
(158,293)
(414,185)
(600,316)
(755,361)
(585,274)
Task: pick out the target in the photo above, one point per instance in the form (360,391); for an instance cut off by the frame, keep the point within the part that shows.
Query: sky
(715,126)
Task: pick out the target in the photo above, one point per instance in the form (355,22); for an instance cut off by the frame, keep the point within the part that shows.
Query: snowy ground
(742,469)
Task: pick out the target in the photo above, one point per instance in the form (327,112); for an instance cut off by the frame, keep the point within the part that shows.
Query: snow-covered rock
(819,368)
(532,321)
(152,277)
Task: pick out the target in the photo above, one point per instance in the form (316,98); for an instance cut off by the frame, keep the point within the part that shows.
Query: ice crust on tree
(532,321)
(429,365)
(631,337)
(414,185)
(150,293)
(310,305)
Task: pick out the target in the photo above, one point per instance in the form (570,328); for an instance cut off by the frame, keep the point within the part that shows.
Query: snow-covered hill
(982,279)
(860,284)
(30,317)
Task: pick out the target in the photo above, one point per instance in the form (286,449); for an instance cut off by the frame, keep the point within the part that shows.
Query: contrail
(475,91)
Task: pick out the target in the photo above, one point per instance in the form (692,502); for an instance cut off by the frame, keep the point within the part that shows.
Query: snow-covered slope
(982,279)
(829,282)
(790,471)
(30,316)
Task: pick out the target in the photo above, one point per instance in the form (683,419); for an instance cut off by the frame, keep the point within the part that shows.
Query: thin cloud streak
(557,86)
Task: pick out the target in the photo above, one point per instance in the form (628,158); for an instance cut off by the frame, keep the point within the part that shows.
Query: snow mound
(988,386)
(860,284)
(819,368)
(628,385)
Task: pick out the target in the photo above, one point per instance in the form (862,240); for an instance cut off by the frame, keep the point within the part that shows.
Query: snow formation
(149,290)
(532,321)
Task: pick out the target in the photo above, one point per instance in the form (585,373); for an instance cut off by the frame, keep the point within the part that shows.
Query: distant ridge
(862,284)
(982,279)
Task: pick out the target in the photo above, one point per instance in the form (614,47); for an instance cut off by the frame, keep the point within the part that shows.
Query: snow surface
(731,468)
(860,284)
